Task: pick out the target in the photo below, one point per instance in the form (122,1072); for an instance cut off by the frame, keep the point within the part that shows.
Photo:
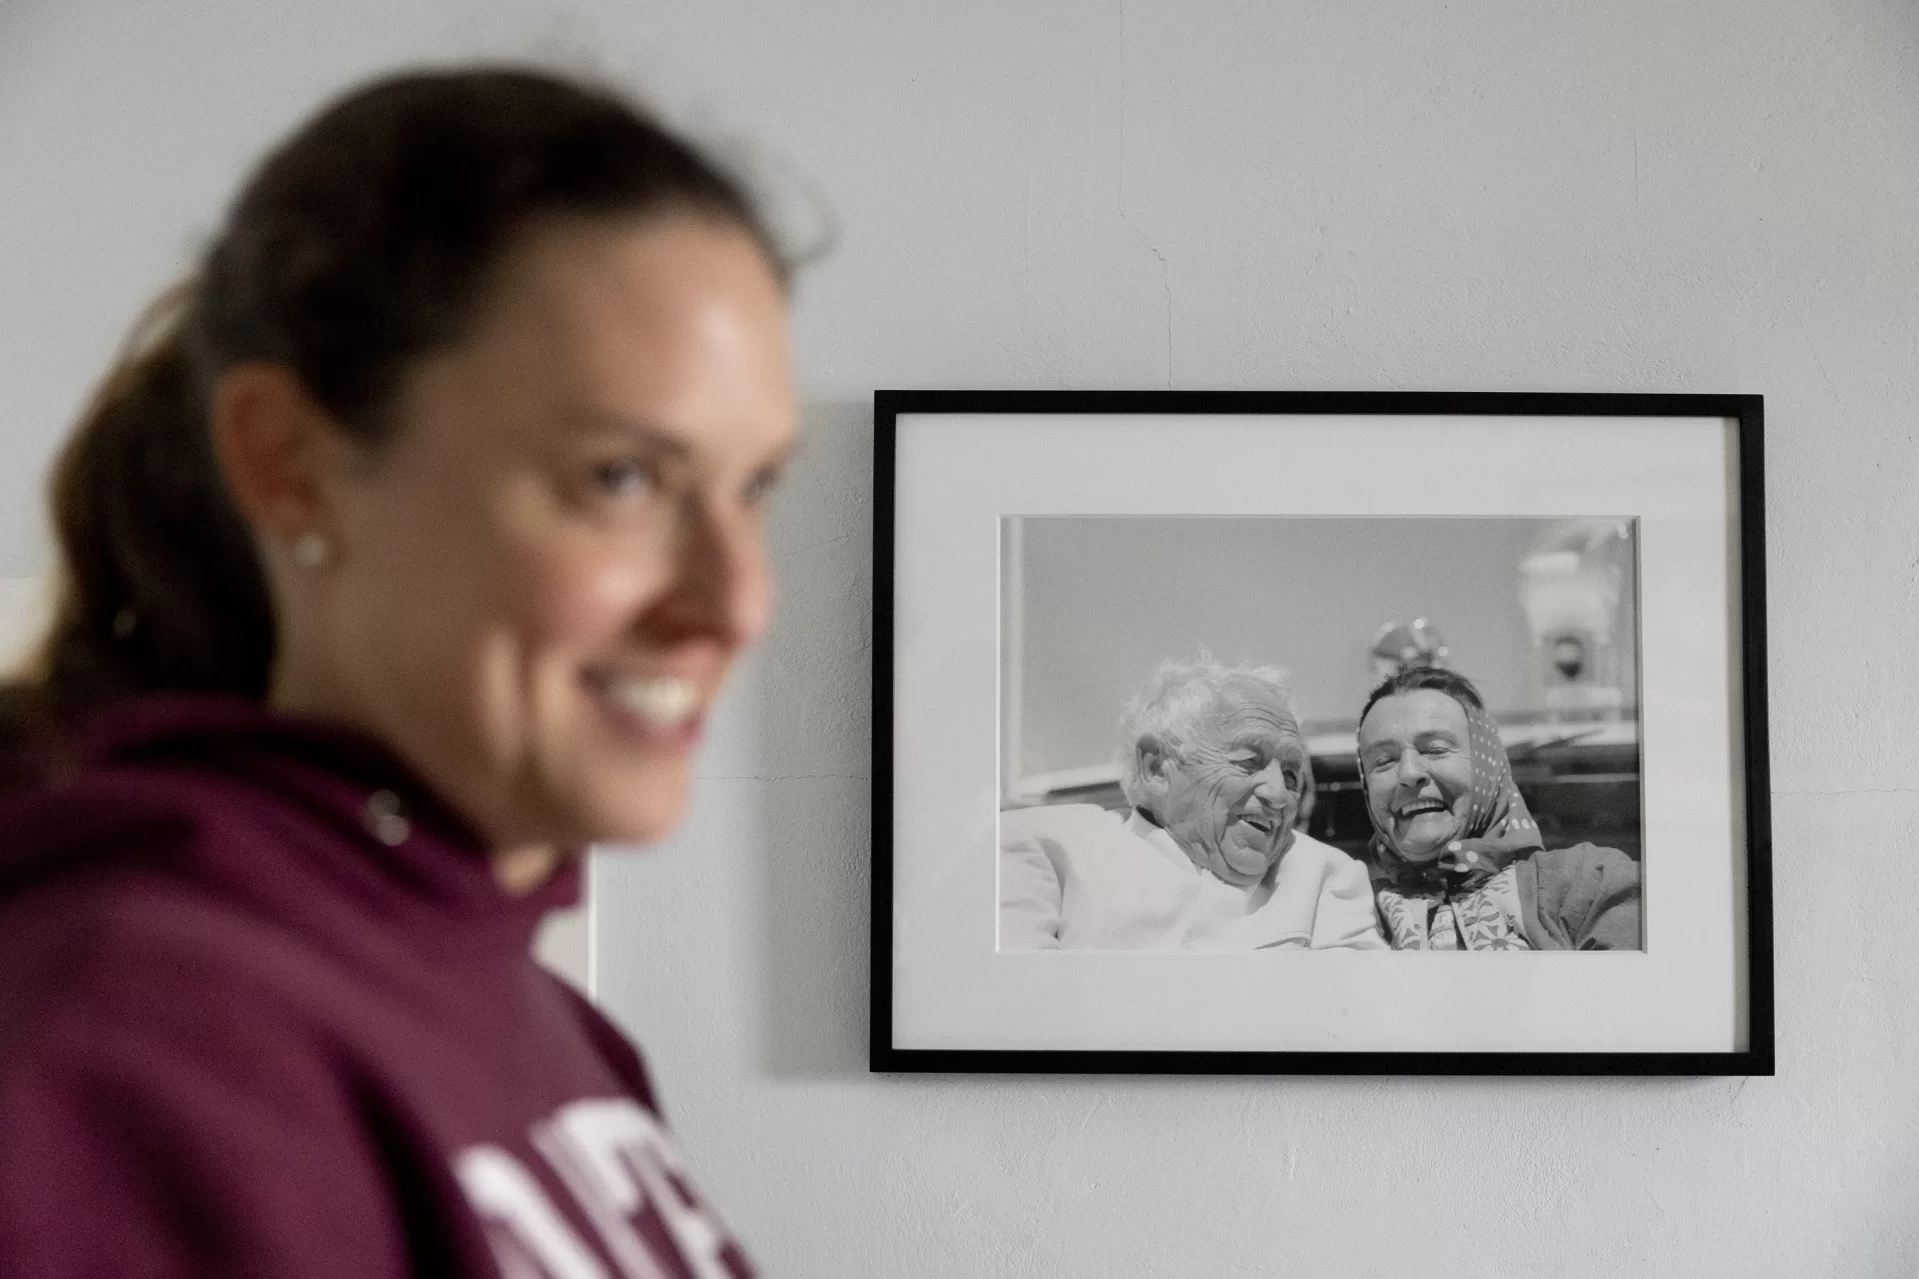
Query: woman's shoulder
(117,842)
(151,1047)
(122,900)
(1584,861)
(1585,896)
(1581,873)
(109,810)
(101,908)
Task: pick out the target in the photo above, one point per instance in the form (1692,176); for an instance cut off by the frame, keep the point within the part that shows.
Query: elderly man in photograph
(1207,858)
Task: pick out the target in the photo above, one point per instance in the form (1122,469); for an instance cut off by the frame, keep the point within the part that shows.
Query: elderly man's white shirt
(1076,876)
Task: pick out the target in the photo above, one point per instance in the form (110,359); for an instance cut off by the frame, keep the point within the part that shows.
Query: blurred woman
(1456,858)
(402,557)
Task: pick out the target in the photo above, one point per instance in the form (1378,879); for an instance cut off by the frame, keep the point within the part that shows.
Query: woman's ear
(276,449)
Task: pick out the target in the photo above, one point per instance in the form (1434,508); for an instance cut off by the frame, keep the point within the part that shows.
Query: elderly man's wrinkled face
(1229,795)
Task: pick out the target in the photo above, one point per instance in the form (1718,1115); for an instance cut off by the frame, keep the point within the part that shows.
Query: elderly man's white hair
(1176,695)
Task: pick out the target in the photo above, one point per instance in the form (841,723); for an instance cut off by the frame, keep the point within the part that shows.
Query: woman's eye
(760,487)
(1250,764)
(623,479)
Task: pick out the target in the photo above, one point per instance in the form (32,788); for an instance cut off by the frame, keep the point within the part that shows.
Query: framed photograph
(1247,732)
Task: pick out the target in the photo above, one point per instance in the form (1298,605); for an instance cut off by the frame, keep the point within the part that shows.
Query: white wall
(1718,195)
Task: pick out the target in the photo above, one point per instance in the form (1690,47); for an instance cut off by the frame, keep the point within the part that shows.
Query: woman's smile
(654,710)
(1418,770)
(1423,822)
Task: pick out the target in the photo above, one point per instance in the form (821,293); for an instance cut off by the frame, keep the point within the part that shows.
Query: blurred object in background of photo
(1400,646)
(1572,588)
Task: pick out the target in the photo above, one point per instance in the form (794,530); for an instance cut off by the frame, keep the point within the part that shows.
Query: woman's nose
(1412,769)
(723,588)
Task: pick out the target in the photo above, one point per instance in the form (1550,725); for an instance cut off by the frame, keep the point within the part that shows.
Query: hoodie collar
(343,780)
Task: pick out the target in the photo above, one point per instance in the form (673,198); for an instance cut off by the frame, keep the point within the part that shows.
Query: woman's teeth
(667,701)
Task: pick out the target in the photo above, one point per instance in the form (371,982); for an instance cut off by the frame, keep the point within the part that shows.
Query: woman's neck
(519,871)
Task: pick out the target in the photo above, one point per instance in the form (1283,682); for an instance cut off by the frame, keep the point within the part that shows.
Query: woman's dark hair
(1451,683)
(363,243)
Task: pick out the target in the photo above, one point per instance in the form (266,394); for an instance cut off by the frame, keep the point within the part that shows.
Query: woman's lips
(1420,807)
(662,707)
(667,700)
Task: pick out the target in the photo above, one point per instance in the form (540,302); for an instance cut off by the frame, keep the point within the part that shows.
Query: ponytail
(159,588)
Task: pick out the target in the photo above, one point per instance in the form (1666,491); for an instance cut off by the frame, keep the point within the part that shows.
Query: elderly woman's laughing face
(1416,760)
(1228,793)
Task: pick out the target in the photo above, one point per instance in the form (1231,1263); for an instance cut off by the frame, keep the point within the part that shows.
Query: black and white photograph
(1319,733)
(1303,732)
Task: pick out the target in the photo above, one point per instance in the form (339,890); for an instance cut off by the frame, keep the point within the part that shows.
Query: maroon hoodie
(264,1012)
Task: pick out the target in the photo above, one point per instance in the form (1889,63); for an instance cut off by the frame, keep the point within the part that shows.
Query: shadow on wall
(815,746)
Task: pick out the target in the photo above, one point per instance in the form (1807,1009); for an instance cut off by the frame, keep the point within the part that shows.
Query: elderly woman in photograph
(1456,858)
(1214,767)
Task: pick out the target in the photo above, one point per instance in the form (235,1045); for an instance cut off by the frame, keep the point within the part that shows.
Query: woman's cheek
(589,600)
(1378,794)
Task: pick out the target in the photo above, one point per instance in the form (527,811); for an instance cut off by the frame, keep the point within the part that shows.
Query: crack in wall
(784,777)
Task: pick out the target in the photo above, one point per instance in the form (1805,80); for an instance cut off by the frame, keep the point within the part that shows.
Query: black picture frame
(1745,411)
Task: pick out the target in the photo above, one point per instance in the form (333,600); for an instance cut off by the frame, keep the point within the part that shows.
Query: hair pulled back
(363,243)
(1438,678)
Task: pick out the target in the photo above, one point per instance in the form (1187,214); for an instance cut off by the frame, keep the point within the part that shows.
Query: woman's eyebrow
(643,432)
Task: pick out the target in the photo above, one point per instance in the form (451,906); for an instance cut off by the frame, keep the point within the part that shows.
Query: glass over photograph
(1245,733)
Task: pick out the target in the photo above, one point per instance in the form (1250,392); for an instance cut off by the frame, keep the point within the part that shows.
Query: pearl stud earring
(310,550)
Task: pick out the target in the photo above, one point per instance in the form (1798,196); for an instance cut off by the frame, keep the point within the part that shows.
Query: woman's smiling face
(543,579)
(1415,757)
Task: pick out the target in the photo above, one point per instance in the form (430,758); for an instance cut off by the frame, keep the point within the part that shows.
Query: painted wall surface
(1719,195)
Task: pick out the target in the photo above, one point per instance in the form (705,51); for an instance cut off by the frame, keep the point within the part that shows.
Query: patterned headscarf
(1499,827)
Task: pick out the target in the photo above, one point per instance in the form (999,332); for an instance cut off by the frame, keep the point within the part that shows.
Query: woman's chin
(634,810)
(1424,838)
